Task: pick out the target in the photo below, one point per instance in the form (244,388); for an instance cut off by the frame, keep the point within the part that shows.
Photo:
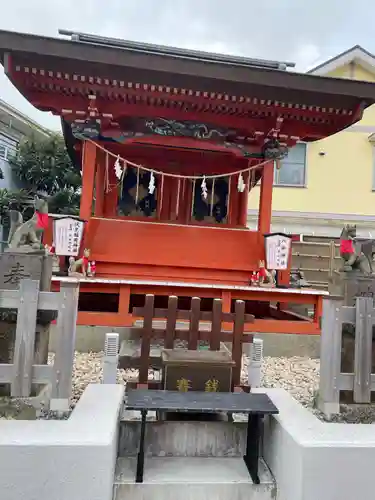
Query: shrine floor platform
(109,302)
(177,284)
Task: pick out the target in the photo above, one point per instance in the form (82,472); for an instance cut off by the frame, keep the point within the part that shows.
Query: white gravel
(300,376)
(297,375)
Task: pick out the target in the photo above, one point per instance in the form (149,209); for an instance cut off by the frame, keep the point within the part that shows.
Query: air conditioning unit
(255,363)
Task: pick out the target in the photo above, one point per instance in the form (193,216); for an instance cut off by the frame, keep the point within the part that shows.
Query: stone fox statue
(80,267)
(356,255)
(28,234)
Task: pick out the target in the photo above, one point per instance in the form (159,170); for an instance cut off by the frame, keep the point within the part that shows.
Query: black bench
(255,405)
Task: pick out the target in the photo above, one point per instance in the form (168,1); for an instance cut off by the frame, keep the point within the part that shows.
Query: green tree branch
(43,166)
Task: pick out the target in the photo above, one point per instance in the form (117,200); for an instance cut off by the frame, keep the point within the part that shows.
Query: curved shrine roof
(132,86)
(215,72)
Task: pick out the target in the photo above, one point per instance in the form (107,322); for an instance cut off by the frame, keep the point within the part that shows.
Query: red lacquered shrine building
(170,143)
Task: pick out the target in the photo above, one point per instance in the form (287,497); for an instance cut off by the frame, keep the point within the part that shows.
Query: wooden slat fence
(23,373)
(195,332)
(332,380)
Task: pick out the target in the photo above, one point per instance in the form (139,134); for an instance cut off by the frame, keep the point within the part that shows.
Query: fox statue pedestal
(25,258)
(15,267)
(353,284)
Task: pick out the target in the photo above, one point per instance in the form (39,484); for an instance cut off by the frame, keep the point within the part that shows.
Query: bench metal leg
(141,452)
(251,456)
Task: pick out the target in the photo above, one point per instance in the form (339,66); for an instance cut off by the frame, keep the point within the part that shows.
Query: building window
(293,168)
(8,147)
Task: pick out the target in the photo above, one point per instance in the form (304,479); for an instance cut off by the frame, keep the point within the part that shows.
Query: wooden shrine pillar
(164,197)
(88,178)
(243,201)
(186,212)
(99,184)
(234,203)
(265,202)
(110,198)
(176,198)
(181,218)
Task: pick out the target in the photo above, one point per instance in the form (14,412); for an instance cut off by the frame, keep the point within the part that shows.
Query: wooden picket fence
(22,374)
(195,331)
(332,380)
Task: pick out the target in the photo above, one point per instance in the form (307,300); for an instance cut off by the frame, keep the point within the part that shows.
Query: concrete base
(75,459)
(184,439)
(71,459)
(91,338)
(192,479)
(287,345)
(311,459)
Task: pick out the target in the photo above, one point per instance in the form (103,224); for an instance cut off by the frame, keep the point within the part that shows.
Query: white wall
(75,459)
(313,460)
(327,225)
(63,460)
(9,181)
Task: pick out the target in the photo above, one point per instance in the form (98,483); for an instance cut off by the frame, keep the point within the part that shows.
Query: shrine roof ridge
(167,69)
(177,52)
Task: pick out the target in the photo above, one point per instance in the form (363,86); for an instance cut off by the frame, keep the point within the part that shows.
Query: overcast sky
(304,32)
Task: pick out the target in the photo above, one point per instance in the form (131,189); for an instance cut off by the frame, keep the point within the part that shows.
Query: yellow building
(322,185)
